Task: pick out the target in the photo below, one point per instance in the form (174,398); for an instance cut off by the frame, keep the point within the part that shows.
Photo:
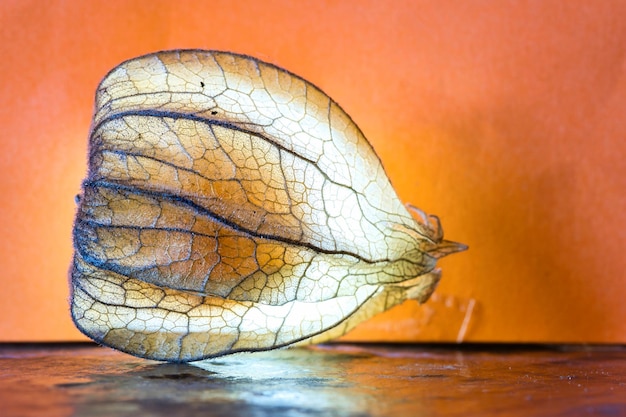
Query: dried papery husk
(232,206)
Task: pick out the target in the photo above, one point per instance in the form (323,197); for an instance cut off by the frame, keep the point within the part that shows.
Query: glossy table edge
(82,379)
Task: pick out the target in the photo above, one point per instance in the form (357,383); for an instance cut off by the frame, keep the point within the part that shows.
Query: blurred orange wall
(506,118)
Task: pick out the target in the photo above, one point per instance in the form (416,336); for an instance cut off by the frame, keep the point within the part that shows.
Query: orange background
(506,118)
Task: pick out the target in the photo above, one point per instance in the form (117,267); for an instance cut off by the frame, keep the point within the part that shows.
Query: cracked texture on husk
(232,206)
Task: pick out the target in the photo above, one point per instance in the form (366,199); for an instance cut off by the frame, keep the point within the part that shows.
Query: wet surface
(332,380)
